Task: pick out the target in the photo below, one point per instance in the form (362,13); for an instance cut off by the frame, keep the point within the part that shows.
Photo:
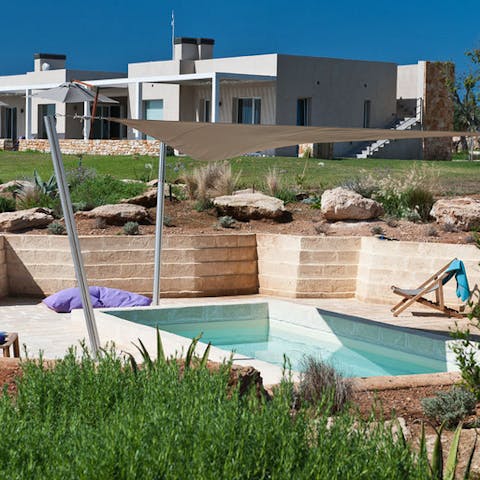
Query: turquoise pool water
(354,346)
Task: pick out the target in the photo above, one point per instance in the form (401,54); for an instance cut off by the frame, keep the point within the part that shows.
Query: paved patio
(41,329)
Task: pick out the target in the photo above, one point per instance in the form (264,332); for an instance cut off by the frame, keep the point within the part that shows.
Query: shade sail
(219,141)
(70,92)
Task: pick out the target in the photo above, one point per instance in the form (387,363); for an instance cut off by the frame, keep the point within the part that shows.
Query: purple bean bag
(67,300)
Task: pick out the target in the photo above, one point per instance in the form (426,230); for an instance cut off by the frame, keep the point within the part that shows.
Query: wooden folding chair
(434,284)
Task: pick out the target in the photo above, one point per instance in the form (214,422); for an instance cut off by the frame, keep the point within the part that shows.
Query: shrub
(450,407)
(321,383)
(365,184)
(64,415)
(146,173)
(49,188)
(104,190)
(167,221)
(273,182)
(210,181)
(449,227)
(226,222)
(100,223)
(420,200)
(431,231)
(131,228)
(321,228)
(56,228)
(7,204)
(76,176)
(287,195)
(202,205)
(377,230)
(79,206)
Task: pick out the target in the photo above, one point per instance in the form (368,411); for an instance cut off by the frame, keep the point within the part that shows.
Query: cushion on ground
(69,299)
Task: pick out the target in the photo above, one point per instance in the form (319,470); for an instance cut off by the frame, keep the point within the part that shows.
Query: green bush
(287,195)
(7,204)
(202,205)
(450,407)
(131,228)
(86,419)
(104,190)
(56,228)
(420,200)
(226,221)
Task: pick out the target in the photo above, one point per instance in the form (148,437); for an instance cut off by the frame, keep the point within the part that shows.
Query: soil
(183,219)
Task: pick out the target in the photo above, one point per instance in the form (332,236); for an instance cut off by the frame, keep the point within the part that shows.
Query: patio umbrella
(71,92)
(3,104)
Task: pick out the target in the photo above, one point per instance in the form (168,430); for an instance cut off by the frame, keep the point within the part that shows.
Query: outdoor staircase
(370,149)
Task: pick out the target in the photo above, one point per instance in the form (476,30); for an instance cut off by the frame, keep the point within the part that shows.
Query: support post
(159,224)
(86,121)
(28,113)
(215,98)
(138,108)
(72,233)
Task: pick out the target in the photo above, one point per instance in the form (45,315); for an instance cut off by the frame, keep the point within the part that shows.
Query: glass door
(153,110)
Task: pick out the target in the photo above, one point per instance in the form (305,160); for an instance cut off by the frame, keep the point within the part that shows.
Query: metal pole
(72,233)
(159,224)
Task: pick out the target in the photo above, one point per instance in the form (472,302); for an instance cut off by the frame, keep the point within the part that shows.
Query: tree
(466,97)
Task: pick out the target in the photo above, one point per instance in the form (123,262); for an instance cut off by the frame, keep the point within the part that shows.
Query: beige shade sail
(219,141)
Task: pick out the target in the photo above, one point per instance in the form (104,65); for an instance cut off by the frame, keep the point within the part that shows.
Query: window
(152,110)
(367,104)
(248,110)
(43,111)
(303,111)
(204,110)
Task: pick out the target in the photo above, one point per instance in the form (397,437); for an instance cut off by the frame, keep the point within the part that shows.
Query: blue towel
(457,269)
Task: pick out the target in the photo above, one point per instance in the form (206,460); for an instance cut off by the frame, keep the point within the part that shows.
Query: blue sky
(108,34)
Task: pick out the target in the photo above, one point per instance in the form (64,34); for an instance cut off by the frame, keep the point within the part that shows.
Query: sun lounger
(435,284)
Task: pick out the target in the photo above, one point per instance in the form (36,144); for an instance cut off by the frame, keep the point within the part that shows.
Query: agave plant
(49,188)
(161,357)
(438,470)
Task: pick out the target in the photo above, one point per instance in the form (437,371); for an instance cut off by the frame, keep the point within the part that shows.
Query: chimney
(48,61)
(205,48)
(185,48)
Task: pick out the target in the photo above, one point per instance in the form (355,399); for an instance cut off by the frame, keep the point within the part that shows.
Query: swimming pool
(269,331)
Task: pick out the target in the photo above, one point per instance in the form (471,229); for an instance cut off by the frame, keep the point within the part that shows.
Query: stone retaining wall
(95,147)
(307,267)
(224,264)
(209,265)
(3,270)
(408,264)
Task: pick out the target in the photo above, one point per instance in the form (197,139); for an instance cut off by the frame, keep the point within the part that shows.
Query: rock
(462,212)
(146,199)
(6,187)
(250,206)
(118,214)
(130,180)
(25,219)
(343,204)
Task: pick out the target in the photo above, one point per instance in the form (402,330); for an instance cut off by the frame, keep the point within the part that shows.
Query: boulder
(25,219)
(6,187)
(146,199)
(250,206)
(463,212)
(118,214)
(343,204)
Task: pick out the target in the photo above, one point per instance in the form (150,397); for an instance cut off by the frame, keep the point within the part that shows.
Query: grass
(83,420)
(455,177)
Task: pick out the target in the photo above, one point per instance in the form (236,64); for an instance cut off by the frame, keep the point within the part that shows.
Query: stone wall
(307,267)
(3,270)
(408,264)
(95,147)
(209,265)
(6,144)
(216,265)
(438,109)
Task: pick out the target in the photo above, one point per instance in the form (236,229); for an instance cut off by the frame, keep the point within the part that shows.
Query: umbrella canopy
(3,104)
(70,92)
(219,141)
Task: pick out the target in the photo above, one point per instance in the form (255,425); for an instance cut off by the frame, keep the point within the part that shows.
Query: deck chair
(435,285)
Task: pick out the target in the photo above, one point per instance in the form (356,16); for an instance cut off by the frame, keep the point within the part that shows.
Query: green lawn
(455,177)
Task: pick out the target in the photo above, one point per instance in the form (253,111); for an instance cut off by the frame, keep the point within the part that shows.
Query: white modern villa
(257,89)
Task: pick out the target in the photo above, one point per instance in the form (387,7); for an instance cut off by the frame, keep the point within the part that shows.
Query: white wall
(407,81)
